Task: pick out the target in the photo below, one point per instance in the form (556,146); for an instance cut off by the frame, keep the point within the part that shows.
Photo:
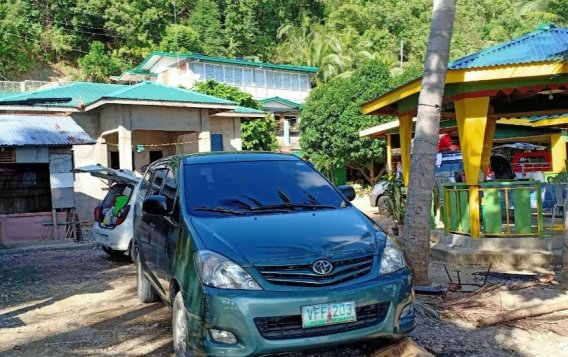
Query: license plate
(328,314)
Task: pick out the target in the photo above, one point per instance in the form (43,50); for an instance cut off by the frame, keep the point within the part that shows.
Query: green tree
(331,120)
(97,65)
(242,29)
(180,38)
(19,39)
(547,10)
(258,134)
(205,19)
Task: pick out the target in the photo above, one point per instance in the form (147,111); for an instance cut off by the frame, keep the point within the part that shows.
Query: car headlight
(219,272)
(392,258)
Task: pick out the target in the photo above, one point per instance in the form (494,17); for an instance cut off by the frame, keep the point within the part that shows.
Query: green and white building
(281,88)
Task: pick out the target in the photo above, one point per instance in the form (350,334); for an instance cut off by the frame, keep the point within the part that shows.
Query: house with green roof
(282,88)
(133,125)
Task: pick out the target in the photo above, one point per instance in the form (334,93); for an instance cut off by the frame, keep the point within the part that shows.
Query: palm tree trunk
(416,237)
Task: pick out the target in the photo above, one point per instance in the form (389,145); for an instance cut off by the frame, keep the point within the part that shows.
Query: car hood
(290,238)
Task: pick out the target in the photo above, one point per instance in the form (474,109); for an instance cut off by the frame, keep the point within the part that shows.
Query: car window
(145,183)
(159,172)
(169,187)
(245,185)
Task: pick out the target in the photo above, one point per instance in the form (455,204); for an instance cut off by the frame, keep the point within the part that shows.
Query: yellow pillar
(389,154)
(487,144)
(471,115)
(558,151)
(405,143)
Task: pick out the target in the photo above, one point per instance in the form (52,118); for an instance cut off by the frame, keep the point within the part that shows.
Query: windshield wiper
(221,210)
(291,206)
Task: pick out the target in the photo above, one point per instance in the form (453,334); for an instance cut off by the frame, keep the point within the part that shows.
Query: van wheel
(179,327)
(113,253)
(382,205)
(132,253)
(146,292)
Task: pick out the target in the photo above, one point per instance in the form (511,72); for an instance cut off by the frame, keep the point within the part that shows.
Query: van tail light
(97,213)
(122,214)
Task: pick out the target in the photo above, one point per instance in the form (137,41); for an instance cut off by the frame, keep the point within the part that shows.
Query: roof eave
(521,70)
(24,108)
(160,103)
(238,115)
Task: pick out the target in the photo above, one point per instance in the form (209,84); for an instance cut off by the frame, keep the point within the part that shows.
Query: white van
(113,229)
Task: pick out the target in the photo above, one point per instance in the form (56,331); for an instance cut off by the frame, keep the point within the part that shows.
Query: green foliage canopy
(180,38)
(332,119)
(97,65)
(336,36)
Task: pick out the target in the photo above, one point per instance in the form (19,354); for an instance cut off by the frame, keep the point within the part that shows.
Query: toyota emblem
(322,267)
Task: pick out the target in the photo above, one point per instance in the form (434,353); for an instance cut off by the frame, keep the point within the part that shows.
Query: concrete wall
(148,125)
(230,128)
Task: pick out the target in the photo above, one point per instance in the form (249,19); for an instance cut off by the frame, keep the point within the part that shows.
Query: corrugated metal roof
(281,101)
(547,43)
(41,130)
(159,92)
(247,110)
(83,94)
(237,61)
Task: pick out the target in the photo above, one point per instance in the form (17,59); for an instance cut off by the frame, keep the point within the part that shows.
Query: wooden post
(54,214)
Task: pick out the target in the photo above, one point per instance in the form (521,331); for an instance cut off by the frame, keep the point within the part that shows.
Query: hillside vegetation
(102,37)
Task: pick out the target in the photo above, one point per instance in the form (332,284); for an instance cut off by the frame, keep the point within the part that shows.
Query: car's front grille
(285,327)
(303,275)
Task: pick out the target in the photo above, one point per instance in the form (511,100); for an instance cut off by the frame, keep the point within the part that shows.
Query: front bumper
(235,311)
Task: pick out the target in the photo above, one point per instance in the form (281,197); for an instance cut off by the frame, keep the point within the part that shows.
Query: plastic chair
(558,191)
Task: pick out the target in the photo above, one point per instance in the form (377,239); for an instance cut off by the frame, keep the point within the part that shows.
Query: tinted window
(169,187)
(238,185)
(449,167)
(145,183)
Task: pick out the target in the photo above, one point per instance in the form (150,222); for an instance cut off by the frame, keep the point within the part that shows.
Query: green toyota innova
(258,253)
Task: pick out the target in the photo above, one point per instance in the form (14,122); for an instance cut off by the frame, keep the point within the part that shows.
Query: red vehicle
(534,161)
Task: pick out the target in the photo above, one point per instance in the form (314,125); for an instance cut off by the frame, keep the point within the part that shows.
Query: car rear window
(238,185)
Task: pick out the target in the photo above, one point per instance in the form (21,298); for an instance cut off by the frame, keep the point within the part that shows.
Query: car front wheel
(179,326)
(146,292)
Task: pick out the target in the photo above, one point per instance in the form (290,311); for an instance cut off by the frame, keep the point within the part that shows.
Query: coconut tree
(416,234)
(547,10)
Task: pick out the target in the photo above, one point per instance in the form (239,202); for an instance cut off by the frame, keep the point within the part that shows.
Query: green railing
(507,209)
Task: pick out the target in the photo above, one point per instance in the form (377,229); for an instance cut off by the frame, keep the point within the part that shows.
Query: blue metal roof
(41,130)
(547,43)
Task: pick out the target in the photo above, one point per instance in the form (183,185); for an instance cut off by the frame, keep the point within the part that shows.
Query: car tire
(179,328)
(113,253)
(382,205)
(146,292)
(132,253)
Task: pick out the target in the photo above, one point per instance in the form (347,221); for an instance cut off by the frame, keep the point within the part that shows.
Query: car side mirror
(348,192)
(156,205)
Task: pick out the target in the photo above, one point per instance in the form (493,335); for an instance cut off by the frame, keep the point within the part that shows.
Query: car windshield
(257,187)
(448,167)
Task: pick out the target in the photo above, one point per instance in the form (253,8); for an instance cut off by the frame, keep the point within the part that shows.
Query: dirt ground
(77,301)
